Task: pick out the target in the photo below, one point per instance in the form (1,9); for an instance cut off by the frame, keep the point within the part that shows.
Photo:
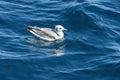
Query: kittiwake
(47,34)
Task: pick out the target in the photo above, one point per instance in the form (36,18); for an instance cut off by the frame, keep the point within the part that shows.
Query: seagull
(47,34)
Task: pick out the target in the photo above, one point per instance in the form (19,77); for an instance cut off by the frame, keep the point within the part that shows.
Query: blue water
(90,50)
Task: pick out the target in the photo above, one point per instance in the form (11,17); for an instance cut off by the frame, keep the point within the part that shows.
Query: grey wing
(44,32)
(49,33)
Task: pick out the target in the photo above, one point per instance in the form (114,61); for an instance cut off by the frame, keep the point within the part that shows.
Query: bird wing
(44,33)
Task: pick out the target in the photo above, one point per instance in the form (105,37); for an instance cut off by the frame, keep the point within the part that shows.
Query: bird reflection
(56,47)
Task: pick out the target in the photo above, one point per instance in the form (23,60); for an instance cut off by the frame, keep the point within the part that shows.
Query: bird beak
(65,29)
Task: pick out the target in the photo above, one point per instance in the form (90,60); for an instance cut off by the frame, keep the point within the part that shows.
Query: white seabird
(47,34)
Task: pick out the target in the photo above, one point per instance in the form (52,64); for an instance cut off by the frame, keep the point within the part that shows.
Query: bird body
(47,34)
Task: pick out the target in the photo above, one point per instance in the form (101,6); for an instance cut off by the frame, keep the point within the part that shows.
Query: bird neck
(60,33)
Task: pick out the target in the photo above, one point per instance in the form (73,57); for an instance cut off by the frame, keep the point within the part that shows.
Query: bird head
(59,28)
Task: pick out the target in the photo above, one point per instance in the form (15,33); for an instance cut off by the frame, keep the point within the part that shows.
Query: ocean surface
(89,51)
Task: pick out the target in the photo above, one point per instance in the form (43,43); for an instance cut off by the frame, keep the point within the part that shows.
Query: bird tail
(28,26)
